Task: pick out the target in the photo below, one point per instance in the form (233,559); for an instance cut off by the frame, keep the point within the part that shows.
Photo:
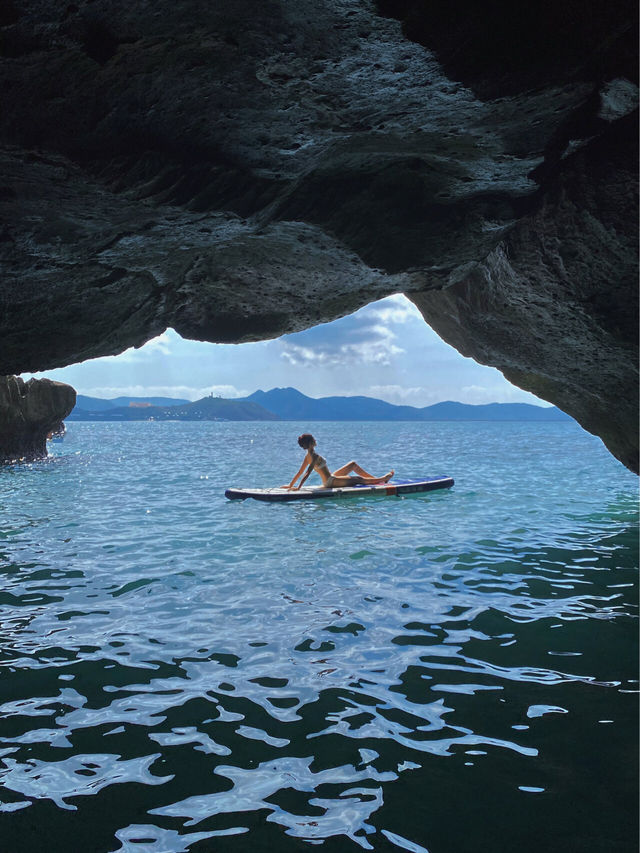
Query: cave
(239,171)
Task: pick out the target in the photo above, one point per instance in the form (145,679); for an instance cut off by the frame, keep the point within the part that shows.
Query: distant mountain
(210,408)
(96,404)
(207,409)
(289,404)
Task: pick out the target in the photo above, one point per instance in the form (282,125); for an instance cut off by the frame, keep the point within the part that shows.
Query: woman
(313,461)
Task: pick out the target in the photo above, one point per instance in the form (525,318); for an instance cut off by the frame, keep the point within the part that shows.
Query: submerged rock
(29,411)
(238,171)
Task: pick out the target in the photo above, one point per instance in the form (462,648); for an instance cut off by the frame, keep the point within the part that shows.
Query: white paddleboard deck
(394,487)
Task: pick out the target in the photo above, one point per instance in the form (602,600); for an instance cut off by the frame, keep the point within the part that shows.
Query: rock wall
(241,170)
(29,411)
(561,293)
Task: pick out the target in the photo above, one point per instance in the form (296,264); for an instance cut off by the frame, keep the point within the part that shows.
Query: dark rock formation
(29,411)
(58,431)
(241,170)
(580,335)
(503,48)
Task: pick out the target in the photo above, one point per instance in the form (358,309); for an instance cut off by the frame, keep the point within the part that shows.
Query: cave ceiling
(240,170)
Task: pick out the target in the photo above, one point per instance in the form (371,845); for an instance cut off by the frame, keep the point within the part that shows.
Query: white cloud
(365,338)
(161,344)
(228,391)
(384,350)
(158,346)
(501,392)
(379,352)
(394,309)
(404,396)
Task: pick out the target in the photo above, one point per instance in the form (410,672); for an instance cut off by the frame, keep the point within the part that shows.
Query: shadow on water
(464,700)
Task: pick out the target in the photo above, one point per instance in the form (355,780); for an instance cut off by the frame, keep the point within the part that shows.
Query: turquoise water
(449,672)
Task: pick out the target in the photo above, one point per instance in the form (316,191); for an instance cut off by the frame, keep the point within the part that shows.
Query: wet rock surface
(237,171)
(29,411)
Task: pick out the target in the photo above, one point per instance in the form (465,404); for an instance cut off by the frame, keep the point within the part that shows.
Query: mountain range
(96,404)
(139,409)
(289,404)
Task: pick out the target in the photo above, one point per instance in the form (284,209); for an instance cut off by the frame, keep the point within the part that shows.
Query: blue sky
(384,350)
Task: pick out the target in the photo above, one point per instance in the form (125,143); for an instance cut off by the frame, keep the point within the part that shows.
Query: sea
(451,672)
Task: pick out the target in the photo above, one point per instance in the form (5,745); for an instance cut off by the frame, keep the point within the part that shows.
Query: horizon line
(179,400)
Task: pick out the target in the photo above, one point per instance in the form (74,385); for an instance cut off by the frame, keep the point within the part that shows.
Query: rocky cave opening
(239,172)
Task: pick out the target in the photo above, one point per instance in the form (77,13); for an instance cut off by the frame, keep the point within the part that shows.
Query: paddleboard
(395,487)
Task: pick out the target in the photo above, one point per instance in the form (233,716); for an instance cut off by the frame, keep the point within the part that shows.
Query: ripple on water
(325,672)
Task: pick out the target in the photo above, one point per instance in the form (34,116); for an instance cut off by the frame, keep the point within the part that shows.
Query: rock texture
(241,170)
(568,306)
(29,411)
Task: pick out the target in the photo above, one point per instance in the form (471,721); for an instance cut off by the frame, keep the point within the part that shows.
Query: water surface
(455,671)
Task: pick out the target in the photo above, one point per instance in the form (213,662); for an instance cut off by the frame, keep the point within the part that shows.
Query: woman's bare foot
(388,476)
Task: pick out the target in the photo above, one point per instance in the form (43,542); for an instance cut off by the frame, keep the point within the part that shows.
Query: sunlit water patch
(449,672)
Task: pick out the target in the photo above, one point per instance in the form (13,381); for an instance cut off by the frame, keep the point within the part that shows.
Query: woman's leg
(339,482)
(349,467)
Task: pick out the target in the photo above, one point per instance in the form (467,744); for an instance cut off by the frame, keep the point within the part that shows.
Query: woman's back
(318,461)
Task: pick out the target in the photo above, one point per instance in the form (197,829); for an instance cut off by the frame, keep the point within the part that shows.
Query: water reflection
(173,689)
(337,673)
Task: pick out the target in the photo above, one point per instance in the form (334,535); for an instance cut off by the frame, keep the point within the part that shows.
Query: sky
(384,350)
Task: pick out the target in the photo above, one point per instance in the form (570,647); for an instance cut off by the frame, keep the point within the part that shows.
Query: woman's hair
(306,440)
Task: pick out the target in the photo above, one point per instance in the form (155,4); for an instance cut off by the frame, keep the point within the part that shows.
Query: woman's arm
(305,462)
(309,470)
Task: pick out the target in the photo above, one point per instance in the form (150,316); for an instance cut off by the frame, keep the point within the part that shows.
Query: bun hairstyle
(306,440)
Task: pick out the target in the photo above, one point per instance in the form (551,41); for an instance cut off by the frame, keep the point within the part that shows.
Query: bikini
(320,462)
